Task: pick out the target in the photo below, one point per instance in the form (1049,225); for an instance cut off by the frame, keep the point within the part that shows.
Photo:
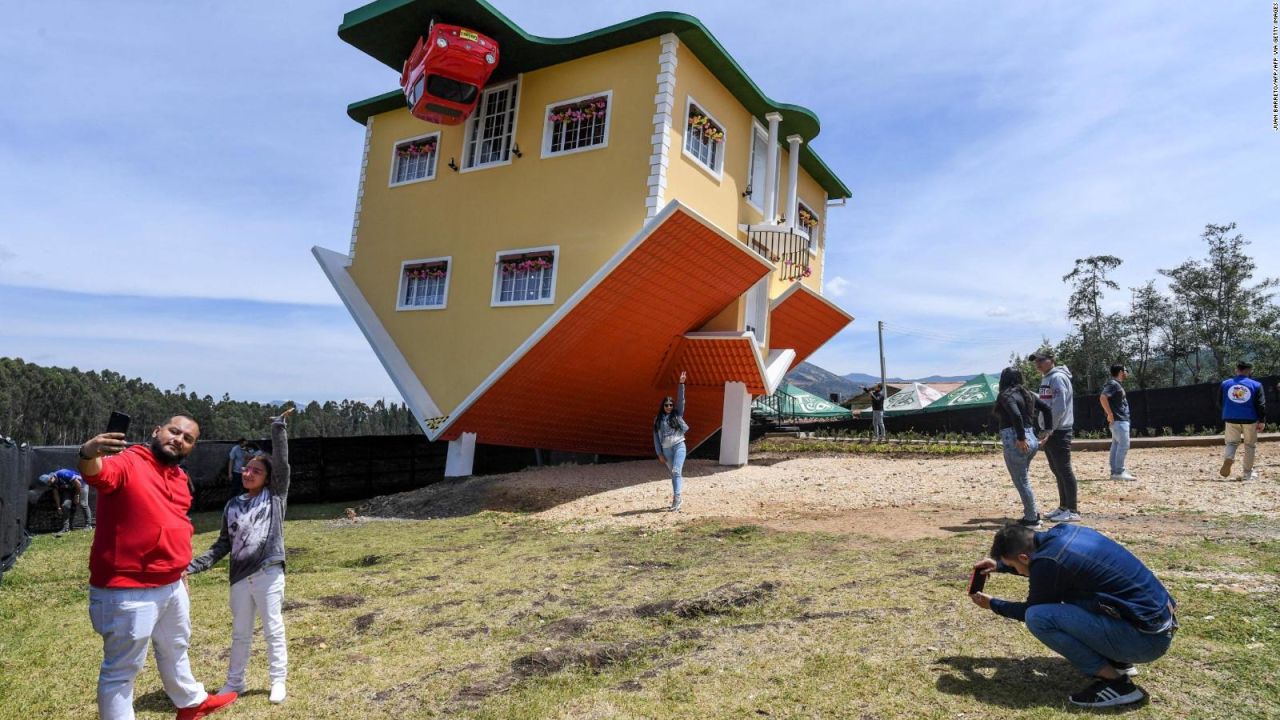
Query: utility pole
(884,386)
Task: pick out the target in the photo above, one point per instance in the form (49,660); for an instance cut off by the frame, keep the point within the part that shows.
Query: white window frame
(760,135)
(401,286)
(497,276)
(810,235)
(547,152)
(717,173)
(477,118)
(395,160)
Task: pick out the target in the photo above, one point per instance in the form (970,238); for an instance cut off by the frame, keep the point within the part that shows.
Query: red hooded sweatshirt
(143,537)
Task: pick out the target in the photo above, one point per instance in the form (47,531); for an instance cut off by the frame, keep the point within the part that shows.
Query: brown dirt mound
(341,601)
(721,601)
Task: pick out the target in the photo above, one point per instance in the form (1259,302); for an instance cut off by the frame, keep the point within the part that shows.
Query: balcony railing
(787,249)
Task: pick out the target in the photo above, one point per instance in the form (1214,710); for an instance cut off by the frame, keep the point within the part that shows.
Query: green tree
(1148,310)
(1097,331)
(1223,306)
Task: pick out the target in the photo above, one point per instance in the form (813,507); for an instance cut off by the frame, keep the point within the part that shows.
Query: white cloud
(998,311)
(836,287)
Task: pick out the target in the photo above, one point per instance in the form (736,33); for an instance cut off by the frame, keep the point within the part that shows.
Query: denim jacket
(665,430)
(1080,565)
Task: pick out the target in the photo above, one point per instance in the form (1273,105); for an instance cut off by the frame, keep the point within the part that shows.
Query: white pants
(127,619)
(1235,433)
(262,593)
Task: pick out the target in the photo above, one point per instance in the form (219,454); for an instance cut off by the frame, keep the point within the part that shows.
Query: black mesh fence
(15,464)
(1188,408)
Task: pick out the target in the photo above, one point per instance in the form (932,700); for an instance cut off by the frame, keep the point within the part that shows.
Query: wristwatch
(80,452)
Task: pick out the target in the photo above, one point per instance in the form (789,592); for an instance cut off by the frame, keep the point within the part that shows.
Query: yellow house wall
(589,204)
(720,199)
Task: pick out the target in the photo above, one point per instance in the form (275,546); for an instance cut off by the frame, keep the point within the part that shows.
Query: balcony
(785,247)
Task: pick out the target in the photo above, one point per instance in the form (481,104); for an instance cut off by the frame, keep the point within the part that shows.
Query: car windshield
(451,90)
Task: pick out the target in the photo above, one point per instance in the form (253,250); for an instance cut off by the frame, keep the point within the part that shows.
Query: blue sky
(165,168)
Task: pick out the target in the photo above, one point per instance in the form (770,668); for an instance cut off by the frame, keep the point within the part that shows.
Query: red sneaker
(211,705)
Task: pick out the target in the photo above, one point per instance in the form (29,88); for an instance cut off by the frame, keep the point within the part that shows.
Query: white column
(793,178)
(735,424)
(461,456)
(771,170)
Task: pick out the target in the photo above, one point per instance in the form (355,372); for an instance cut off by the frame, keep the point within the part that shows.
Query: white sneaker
(1067,517)
(1249,476)
(1053,516)
(1123,475)
(675,505)
(277,692)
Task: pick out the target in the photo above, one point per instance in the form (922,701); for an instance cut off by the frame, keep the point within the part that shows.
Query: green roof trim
(386,30)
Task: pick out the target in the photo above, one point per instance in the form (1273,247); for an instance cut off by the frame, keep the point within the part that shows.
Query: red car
(443,77)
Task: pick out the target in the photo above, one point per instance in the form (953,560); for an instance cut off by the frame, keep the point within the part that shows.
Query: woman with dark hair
(668,439)
(253,532)
(1015,410)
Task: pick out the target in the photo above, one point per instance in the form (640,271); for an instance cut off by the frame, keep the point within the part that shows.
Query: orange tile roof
(591,383)
(715,359)
(803,320)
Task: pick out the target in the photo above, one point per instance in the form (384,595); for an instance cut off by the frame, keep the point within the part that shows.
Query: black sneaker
(1034,524)
(1108,693)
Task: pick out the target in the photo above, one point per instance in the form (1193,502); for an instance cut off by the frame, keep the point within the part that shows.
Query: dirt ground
(1178,491)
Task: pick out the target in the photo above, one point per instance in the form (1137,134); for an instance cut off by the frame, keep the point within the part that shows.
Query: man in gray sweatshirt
(1055,389)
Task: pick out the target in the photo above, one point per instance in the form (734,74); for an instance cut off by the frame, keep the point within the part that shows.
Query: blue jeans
(1119,445)
(1091,640)
(877,424)
(1019,465)
(675,461)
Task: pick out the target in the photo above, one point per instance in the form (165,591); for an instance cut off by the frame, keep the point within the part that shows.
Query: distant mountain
(822,383)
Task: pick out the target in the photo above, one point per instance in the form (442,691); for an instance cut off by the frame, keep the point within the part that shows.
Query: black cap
(1244,365)
(1039,355)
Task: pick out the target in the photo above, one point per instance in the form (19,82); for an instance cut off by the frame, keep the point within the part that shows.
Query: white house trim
(800,287)
(793,178)
(715,173)
(546,125)
(664,107)
(364,171)
(771,170)
(590,285)
(516,86)
(448,277)
(497,268)
(424,409)
(776,367)
(395,146)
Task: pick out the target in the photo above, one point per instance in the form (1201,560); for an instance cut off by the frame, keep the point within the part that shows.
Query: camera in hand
(977,581)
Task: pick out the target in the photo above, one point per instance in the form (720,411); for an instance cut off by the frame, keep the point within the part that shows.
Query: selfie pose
(253,534)
(143,542)
(1089,600)
(668,439)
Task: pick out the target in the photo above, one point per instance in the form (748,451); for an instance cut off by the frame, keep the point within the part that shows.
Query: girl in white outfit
(253,533)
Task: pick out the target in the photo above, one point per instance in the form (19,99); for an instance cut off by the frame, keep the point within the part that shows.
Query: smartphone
(119,422)
(977,581)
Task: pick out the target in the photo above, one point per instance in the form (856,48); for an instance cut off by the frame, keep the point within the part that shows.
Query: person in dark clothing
(1115,403)
(1055,389)
(1089,600)
(1243,402)
(1015,409)
(877,410)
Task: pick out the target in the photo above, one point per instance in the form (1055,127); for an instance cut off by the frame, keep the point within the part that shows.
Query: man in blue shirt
(69,492)
(1089,600)
(1244,413)
(235,464)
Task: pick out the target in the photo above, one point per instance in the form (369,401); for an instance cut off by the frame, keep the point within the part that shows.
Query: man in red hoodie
(141,547)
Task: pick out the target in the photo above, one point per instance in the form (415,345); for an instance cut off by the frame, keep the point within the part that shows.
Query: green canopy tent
(793,403)
(979,391)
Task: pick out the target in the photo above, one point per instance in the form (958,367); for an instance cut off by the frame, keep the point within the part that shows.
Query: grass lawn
(498,615)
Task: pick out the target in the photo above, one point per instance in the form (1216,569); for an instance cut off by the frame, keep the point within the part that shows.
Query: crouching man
(1090,600)
(143,544)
